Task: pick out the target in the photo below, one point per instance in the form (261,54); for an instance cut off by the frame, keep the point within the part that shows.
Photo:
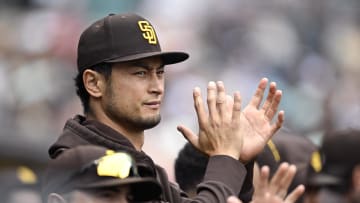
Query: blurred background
(310,48)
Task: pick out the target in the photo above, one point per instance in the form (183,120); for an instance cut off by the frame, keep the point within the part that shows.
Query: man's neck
(135,137)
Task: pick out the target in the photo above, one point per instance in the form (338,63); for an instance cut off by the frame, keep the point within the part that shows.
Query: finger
(258,96)
(229,106)
(221,98)
(233,199)
(295,194)
(271,111)
(199,107)
(275,181)
(236,108)
(268,101)
(211,101)
(286,181)
(276,126)
(189,136)
(263,181)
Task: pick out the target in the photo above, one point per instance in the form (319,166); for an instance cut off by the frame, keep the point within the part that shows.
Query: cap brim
(143,189)
(321,179)
(168,57)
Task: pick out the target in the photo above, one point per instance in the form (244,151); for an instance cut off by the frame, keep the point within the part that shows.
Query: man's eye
(160,72)
(140,73)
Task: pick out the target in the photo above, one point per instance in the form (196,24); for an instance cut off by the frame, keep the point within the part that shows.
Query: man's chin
(151,122)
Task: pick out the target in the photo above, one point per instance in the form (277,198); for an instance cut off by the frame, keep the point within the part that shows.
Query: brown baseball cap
(339,153)
(120,38)
(91,167)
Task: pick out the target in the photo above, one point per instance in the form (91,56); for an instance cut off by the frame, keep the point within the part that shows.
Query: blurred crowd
(310,48)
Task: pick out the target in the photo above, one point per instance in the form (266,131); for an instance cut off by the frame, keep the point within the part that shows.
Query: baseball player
(121,82)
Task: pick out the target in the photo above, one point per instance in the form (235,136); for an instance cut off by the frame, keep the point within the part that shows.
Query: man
(121,86)
(334,174)
(94,174)
(190,167)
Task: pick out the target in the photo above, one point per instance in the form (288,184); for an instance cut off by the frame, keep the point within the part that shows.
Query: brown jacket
(219,181)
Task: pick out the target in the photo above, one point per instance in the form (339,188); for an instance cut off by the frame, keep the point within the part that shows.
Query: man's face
(105,195)
(134,93)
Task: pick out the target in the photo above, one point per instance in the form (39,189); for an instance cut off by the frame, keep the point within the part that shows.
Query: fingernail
(212,83)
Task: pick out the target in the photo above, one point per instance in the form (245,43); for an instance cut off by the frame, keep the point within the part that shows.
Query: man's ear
(94,83)
(55,198)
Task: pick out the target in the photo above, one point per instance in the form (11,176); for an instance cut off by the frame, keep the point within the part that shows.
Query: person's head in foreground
(95,174)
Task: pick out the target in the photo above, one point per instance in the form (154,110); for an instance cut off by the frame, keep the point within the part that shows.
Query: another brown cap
(119,38)
(315,175)
(340,154)
(287,146)
(90,167)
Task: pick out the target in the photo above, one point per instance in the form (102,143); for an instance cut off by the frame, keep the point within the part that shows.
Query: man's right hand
(219,129)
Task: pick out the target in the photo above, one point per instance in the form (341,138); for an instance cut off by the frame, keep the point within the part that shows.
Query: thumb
(189,135)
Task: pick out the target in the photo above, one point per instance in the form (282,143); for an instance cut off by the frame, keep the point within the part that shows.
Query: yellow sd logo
(114,165)
(148,31)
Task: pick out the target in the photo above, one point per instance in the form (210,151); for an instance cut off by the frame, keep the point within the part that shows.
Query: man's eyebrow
(145,65)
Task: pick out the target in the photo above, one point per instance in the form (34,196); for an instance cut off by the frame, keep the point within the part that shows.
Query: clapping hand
(275,190)
(226,130)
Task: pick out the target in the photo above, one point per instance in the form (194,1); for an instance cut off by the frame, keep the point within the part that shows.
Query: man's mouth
(153,104)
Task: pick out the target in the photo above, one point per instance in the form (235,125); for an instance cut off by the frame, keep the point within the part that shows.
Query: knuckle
(210,99)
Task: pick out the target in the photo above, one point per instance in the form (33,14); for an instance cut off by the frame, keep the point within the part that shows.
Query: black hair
(190,167)
(103,68)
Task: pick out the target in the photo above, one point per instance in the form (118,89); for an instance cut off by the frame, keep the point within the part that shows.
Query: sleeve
(224,176)
(247,189)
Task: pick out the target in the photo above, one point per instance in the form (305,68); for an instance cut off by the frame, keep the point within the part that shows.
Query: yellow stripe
(274,150)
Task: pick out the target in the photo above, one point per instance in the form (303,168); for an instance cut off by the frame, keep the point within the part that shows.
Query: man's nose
(156,84)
